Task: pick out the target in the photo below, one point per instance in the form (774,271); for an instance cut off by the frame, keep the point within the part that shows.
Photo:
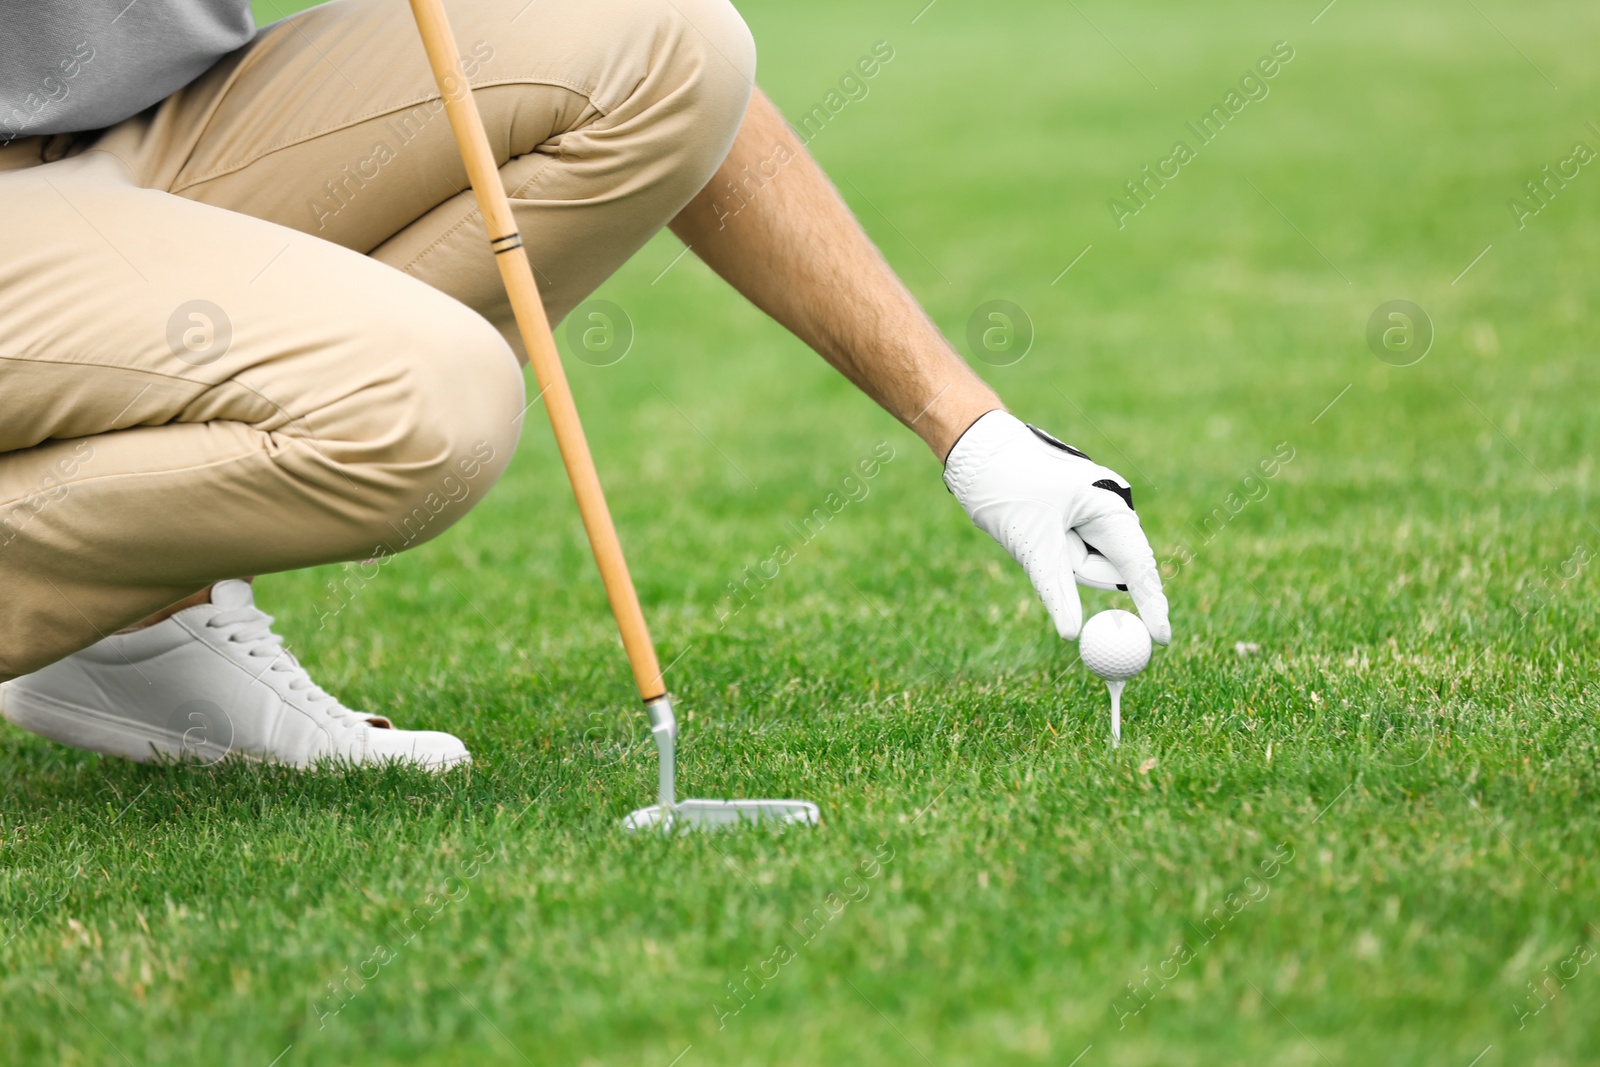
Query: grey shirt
(72,65)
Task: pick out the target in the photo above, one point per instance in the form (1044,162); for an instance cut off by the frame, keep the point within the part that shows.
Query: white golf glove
(1067,520)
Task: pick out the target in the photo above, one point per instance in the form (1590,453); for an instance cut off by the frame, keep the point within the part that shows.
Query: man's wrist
(950,413)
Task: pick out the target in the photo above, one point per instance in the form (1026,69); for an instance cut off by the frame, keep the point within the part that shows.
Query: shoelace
(253,628)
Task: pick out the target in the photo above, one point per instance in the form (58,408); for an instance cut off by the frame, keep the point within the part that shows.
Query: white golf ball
(1115,645)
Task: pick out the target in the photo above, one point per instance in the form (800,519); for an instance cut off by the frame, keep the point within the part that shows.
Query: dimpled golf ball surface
(1115,645)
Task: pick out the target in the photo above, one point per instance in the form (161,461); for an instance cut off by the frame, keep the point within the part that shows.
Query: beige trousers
(258,327)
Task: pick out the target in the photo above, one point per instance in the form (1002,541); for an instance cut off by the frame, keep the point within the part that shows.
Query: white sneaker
(210,681)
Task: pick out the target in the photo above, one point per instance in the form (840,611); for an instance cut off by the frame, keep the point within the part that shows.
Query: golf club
(516,272)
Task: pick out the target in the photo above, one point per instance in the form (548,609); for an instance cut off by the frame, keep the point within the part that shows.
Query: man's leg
(151,444)
(607,117)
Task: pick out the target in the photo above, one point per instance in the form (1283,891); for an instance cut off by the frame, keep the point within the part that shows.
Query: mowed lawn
(1353,818)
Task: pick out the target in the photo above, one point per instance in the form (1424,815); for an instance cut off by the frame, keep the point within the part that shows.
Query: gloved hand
(1063,517)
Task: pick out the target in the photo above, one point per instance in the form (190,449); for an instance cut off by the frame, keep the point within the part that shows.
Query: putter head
(669,814)
(721,814)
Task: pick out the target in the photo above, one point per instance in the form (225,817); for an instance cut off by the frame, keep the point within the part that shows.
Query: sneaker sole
(93,730)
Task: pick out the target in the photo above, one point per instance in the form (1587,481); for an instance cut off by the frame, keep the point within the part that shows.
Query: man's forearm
(792,247)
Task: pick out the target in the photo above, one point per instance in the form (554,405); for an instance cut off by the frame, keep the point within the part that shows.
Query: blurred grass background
(1415,729)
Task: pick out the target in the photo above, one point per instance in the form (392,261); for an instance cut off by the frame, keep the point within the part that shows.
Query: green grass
(1416,733)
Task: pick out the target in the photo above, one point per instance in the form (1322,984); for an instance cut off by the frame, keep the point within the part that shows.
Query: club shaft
(517,273)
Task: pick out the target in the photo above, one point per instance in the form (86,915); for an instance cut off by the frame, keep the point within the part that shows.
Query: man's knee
(442,418)
(713,37)
(706,56)
(725,53)
(684,67)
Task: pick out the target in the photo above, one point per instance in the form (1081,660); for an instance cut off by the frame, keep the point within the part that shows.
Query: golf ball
(1115,645)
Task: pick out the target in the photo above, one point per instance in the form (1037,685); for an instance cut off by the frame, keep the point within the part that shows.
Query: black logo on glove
(1056,443)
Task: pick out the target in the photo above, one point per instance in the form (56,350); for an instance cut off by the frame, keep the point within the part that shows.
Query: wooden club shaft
(517,274)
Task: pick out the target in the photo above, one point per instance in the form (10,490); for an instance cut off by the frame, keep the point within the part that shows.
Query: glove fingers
(1067,612)
(1091,568)
(1113,528)
(1077,552)
(1049,565)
